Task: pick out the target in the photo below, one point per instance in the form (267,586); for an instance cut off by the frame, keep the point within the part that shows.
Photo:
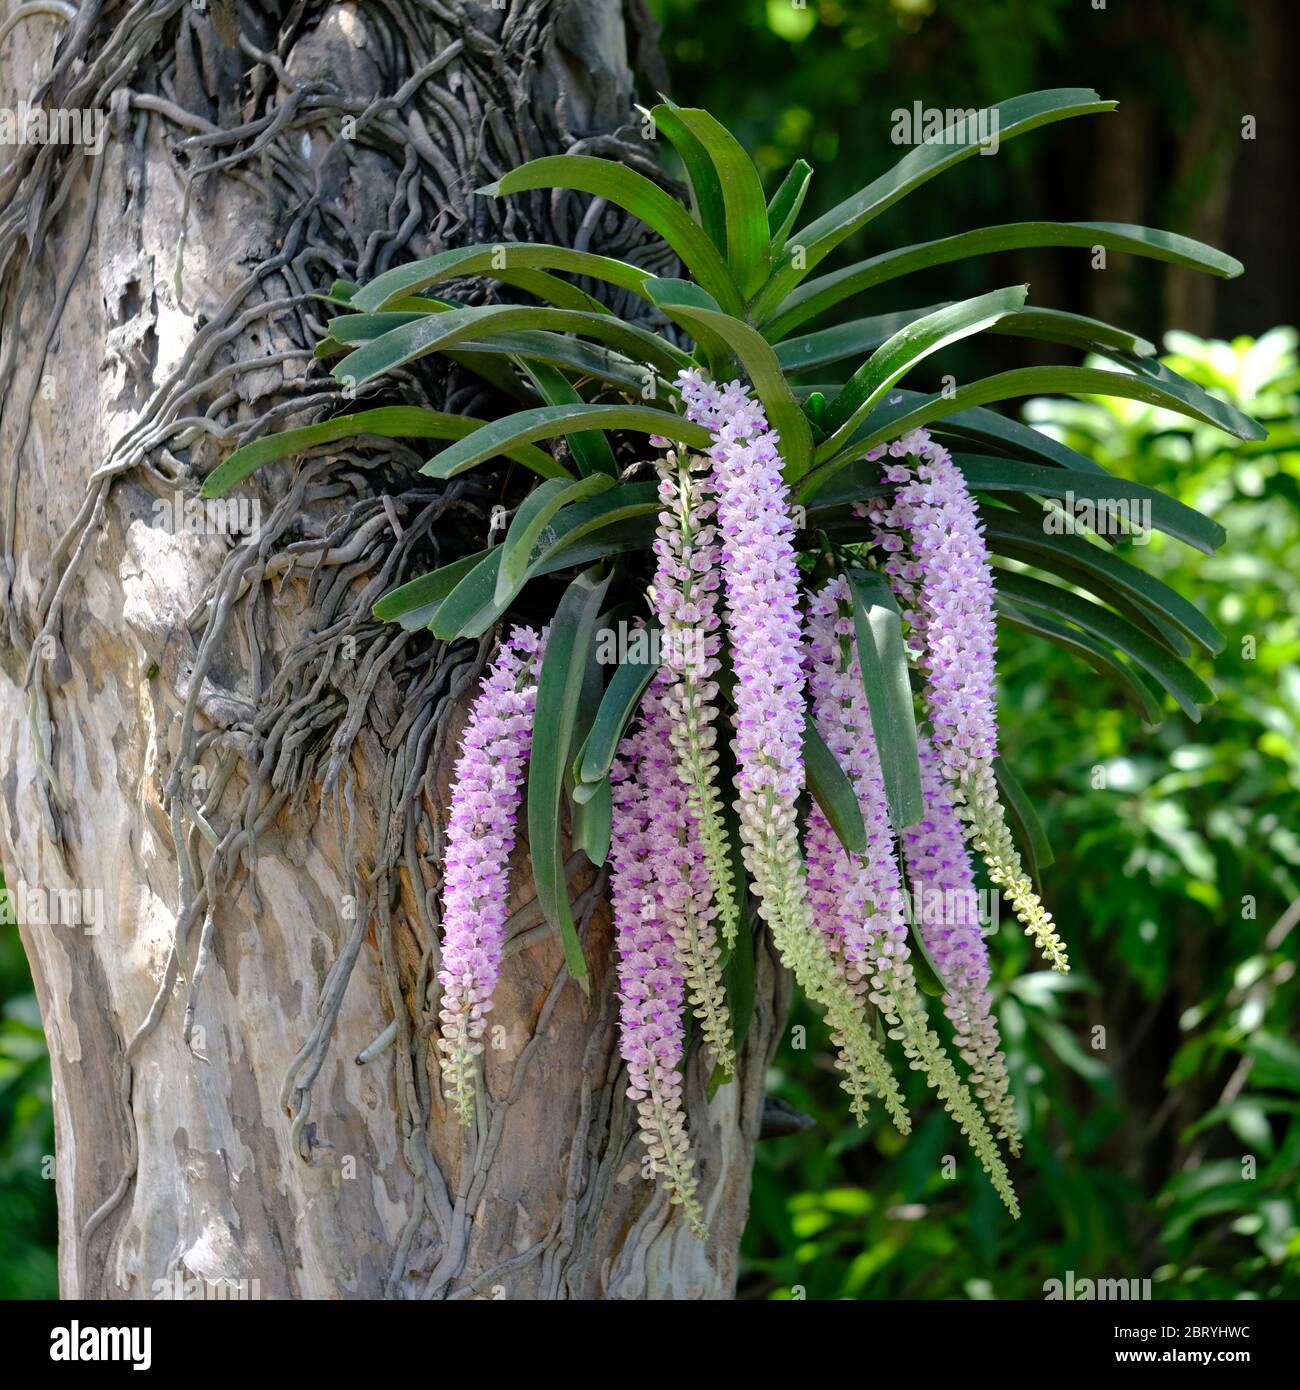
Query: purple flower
(761,591)
(662,915)
(944,583)
(858,899)
(485,796)
(946,906)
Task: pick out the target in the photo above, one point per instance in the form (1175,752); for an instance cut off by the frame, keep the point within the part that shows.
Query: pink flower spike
(485,797)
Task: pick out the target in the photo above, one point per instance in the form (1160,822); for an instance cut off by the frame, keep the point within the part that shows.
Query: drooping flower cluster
(684,596)
(858,899)
(761,590)
(948,916)
(663,912)
(845,923)
(485,797)
(939,566)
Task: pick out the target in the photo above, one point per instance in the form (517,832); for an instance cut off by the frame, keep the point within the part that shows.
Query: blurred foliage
(821,79)
(1175,882)
(28,1219)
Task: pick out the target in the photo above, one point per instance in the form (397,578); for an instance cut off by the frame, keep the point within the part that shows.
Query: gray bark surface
(213,735)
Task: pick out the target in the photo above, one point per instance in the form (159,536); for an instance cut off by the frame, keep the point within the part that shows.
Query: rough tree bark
(211,732)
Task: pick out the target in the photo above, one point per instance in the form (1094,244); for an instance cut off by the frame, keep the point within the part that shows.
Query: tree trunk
(241,773)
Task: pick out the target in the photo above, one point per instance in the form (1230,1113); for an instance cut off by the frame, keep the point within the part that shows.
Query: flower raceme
(943,889)
(485,796)
(858,899)
(938,564)
(684,595)
(764,631)
(663,915)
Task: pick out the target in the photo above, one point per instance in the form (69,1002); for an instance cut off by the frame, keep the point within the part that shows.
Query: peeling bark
(211,733)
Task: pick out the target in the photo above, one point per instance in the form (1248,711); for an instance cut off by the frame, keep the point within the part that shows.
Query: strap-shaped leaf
(530,522)
(959,142)
(438,332)
(878,626)
(984,473)
(635,194)
(786,203)
(975,425)
(760,365)
(1043,549)
(559,687)
(621,701)
(1147,619)
(832,791)
(1195,401)
(748,253)
(414,603)
(548,421)
(826,291)
(462,611)
(667,294)
(574,355)
(900,353)
(1072,330)
(1081,644)
(701,176)
(402,280)
(593,823)
(350,329)
(591,451)
(619,520)
(812,351)
(386,422)
(1029,381)
(1186,687)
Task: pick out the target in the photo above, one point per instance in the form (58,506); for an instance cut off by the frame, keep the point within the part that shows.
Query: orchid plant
(808,737)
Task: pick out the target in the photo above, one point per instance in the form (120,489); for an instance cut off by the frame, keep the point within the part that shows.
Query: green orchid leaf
(827,291)
(591,451)
(559,688)
(786,204)
(1187,688)
(530,523)
(832,791)
(386,422)
(900,353)
(548,421)
(961,140)
(635,194)
(438,332)
(402,280)
(882,654)
(760,365)
(748,237)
